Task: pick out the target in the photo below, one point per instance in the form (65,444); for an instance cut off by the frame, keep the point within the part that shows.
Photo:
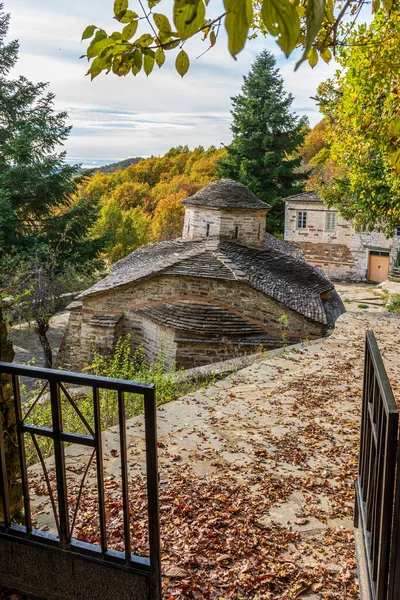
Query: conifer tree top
(226,193)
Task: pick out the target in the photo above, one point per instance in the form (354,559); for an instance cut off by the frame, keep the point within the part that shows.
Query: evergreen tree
(265,135)
(44,226)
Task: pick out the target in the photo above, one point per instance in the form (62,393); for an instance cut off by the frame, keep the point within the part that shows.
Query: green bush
(393,305)
(123,364)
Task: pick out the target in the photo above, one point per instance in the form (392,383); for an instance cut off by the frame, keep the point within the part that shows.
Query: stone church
(223,289)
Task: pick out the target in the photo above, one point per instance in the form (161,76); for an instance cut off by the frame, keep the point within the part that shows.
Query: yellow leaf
(326,55)
(182,63)
(129,30)
(280,18)
(189,16)
(313,57)
(148,64)
(237,23)
(120,6)
(160,57)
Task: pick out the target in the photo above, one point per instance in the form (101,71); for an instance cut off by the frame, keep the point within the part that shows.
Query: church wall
(155,338)
(227,294)
(223,223)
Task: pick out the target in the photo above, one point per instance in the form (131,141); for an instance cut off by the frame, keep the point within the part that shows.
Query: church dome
(226,194)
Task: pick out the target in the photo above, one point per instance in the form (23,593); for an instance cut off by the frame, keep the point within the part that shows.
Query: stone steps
(394,274)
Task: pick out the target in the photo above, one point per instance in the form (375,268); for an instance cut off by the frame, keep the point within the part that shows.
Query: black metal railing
(375,488)
(33,561)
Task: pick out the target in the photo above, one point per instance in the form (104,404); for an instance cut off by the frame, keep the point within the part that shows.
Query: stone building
(219,291)
(331,243)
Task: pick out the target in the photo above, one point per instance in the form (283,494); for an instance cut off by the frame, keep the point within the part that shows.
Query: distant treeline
(118,166)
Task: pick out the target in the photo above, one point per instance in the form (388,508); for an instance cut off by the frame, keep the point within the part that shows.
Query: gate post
(8,434)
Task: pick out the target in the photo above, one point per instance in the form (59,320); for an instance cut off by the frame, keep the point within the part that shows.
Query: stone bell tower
(226,210)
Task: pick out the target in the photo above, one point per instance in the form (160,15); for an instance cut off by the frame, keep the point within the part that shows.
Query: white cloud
(117,118)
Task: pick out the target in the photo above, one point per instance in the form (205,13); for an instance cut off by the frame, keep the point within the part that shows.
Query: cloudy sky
(115,118)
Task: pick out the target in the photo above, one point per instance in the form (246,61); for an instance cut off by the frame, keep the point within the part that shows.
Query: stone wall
(68,356)
(197,352)
(233,296)
(222,224)
(7,413)
(343,253)
(155,338)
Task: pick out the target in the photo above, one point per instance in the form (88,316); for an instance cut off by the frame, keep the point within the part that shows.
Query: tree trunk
(41,329)
(8,424)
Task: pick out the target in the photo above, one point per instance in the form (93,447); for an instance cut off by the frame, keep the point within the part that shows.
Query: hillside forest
(142,203)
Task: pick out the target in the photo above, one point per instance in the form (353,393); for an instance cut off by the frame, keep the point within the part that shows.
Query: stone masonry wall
(229,295)
(251,225)
(7,414)
(69,353)
(342,254)
(191,353)
(155,337)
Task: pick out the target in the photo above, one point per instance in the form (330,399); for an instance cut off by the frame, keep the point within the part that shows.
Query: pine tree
(45,244)
(265,135)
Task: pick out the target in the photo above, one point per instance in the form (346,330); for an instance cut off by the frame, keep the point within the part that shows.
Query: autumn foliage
(142,203)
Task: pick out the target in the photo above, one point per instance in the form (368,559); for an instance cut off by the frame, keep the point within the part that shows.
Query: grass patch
(123,364)
(363,305)
(393,305)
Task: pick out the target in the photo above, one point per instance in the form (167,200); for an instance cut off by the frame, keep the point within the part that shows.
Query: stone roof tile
(304,197)
(202,318)
(226,193)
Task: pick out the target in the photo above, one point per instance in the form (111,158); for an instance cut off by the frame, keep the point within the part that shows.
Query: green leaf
(237,23)
(326,55)
(129,30)
(313,57)
(160,57)
(171,45)
(314,15)
(394,128)
(182,63)
(153,3)
(121,65)
(120,6)
(213,38)
(189,16)
(148,64)
(98,47)
(145,40)
(89,31)
(162,22)
(137,61)
(280,18)
(395,160)
(128,17)
(387,5)
(95,68)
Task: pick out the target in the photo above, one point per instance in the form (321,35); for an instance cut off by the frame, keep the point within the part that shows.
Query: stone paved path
(284,430)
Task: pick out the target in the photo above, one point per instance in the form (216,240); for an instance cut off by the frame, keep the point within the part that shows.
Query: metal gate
(377,516)
(49,566)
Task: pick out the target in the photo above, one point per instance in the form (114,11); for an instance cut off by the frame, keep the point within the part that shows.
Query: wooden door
(378,268)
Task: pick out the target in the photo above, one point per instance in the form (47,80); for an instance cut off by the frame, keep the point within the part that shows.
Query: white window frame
(330,214)
(304,219)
